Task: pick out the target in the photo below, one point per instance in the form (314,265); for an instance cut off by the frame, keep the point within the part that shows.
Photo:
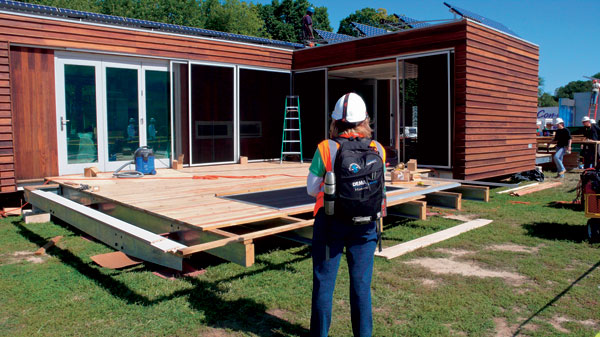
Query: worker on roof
(595,91)
(563,145)
(307,26)
(336,225)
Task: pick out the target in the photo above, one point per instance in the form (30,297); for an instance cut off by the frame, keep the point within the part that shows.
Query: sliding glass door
(107,108)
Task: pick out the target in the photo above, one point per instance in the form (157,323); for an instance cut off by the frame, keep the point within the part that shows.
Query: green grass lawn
(546,282)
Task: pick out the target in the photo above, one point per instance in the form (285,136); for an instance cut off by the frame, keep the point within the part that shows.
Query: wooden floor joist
(472,192)
(444,200)
(407,247)
(413,209)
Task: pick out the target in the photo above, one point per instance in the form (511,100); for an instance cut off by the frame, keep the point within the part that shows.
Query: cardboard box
(412,165)
(243,160)
(400,176)
(178,164)
(91,171)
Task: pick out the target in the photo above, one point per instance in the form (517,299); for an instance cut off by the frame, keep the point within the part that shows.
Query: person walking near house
(595,91)
(355,165)
(563,144)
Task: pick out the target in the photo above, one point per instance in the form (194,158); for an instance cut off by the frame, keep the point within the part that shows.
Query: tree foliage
(544,98)
(572,87)
(283,20)
(368,16)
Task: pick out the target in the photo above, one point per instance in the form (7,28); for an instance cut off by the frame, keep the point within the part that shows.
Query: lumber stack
(535,188)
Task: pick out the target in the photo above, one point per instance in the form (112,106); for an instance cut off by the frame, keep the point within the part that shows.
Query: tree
(572,87)
(234,16)
(544,98)
(283,20)
(368,16)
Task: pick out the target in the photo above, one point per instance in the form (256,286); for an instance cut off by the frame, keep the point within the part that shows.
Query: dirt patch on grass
(279,313)
(461,217)
(502,328)
(20,256)
(557,321)
(454,252)
(213,332)
(451,266)
(511,247)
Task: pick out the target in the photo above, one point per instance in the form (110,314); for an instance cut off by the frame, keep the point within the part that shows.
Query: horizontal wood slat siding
(496,101)
(34,111)
(61,34)
(7,157)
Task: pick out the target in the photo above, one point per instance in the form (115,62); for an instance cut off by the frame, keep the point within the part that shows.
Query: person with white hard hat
(332,231)
(307,25)
(590,132)
(538,130)
(563,144)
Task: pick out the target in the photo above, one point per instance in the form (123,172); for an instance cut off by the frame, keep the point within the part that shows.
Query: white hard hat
(538,122)
(593,121)
(559,121)
(350,108)
(585,119)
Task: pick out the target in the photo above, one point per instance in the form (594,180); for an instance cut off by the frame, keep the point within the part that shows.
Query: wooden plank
(413,209)
(240,238)
(536,188)
(471,192)
(407,247)
(444,199)
(49,244)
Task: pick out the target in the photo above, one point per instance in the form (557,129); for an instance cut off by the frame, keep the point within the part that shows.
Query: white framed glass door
(79,114)
(107,107)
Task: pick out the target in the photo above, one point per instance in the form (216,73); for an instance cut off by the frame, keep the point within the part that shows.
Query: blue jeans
(558,157)
(330,236)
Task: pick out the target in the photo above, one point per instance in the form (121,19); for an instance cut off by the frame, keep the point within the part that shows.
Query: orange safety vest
(328,150)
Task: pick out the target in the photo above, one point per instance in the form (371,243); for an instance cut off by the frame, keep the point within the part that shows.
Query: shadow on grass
(557,231)
(556,298)
(565,205)
(243,315)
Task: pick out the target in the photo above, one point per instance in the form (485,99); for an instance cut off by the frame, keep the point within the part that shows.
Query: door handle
(63,122)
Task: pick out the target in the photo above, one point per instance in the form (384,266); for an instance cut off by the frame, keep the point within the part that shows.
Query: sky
(567,32)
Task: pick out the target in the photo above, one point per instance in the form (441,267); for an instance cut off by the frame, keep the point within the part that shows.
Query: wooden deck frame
(185,205)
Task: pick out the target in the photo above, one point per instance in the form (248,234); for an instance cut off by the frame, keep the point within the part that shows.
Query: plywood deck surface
(192,195)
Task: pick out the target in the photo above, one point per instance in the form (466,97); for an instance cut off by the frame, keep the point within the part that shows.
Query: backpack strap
(380,149)
(328,150)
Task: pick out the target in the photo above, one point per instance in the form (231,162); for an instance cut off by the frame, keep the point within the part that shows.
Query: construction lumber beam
(241,253)
(540,187)
(117,234)
(48,244)
(444,200)
(427,240)
(413,209)
(471,192)
(187,251)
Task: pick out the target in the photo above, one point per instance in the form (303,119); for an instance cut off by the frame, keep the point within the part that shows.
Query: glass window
(158,126)
(122,108)
(80,105)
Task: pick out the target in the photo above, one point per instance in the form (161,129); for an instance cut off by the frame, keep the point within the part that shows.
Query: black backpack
(360,179)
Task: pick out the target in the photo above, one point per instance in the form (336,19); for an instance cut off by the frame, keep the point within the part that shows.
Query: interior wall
(262,102)
(383,113)
(34,112)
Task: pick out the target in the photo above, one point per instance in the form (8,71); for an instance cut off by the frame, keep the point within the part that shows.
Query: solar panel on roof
(333,37)
(480,18)
(369,30)
(412,23)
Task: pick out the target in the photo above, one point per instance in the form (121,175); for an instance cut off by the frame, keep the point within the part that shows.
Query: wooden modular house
(79,90)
